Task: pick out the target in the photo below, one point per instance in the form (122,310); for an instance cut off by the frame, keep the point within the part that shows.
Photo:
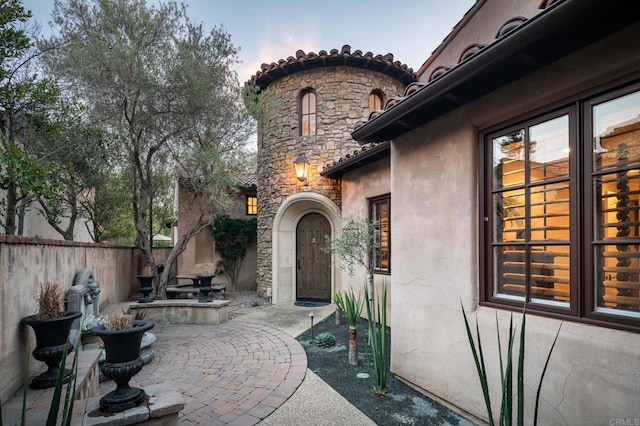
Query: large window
(308,113)
(562,199)
(379,212)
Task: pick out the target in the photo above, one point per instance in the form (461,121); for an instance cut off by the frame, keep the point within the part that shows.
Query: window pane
(617,198)
(550,274)
(549,149)
(509,216)
(312,125)
(308,114)
(381,242)
(616,131)
(509,271)
(252,205)
(508,160)
(375,102)
(617,272)
(549,212)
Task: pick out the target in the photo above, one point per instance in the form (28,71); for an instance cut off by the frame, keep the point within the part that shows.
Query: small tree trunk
(338,313)
(353,347)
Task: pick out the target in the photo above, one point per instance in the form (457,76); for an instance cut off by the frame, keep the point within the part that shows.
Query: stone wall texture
(342,100)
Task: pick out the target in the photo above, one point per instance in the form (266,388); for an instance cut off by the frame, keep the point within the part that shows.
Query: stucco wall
(358,186)
(35,225)
(342,100)
(201,248)
(592,377)
(24,263)
(481,29)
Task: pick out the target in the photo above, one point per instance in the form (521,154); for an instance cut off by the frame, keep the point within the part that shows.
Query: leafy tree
(23,97)
(165,91)
(79,150)
(232,238)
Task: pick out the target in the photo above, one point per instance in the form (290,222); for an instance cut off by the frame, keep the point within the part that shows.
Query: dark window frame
(311,98)
(381,200)
(582,306)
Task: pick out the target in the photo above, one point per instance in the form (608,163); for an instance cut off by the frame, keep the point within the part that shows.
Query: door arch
(313,264)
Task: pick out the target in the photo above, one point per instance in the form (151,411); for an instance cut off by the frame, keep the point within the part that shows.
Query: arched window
(375,101)
(308,113)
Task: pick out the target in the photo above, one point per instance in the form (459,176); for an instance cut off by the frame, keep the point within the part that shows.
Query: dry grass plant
(117,321)
(50,299)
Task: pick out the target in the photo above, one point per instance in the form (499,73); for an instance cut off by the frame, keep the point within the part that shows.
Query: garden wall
(26,262)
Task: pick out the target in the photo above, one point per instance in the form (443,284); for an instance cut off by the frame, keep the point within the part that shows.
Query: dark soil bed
(402,405)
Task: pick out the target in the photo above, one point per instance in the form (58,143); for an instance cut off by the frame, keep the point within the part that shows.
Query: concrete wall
(592,377)
(24,264)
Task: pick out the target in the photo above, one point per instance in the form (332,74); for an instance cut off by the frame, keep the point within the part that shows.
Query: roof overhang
(558,31)
(357,160)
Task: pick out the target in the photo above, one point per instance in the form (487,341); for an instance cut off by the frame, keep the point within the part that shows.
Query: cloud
(273,48)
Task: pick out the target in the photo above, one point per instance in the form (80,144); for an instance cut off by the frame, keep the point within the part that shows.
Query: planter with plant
(51,325)
(146,284)
(351,305)
(121,335)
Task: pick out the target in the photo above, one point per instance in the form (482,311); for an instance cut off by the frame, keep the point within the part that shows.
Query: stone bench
(191,290)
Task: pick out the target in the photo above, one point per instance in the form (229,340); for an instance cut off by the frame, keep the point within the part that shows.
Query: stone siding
(342,100)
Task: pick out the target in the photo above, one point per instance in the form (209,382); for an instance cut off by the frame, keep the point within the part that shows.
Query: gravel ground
(402,405)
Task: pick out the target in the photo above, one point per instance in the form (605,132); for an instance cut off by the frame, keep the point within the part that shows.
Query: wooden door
(313,265)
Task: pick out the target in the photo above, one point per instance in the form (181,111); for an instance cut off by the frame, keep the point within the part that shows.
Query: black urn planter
(51,337)
(205,288)
(123,361)
(146,287)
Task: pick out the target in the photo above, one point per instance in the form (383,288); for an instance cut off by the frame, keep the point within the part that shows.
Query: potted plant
(51,325)
(121,335)
(351,305)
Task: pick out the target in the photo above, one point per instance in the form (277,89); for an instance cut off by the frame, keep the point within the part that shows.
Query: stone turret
(342,82)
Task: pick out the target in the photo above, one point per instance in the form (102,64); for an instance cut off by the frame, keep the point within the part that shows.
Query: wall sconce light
(301,165)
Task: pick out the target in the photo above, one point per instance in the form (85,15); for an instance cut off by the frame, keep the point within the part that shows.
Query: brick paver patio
(234,373)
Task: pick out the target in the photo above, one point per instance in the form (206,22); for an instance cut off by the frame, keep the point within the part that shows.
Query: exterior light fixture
(311,315)
(301,165)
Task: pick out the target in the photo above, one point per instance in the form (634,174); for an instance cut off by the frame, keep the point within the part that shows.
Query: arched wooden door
(313,265)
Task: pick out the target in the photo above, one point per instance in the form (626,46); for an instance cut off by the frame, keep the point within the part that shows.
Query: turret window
(375,101)
(308,113)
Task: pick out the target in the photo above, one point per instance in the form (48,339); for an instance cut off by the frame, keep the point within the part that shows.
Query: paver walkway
(234,373)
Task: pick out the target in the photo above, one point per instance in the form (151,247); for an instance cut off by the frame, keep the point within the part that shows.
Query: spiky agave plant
(351,305)
(377,315)
(506,371)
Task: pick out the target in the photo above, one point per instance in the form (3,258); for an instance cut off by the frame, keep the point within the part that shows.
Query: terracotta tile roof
(248,179)
(521,46)
(468,53)
(343,57)
(366,154)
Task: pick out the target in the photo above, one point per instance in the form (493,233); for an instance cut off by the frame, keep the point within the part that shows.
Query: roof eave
(375,153)
(505,60)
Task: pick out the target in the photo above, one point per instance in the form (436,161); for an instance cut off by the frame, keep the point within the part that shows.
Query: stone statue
(84,296)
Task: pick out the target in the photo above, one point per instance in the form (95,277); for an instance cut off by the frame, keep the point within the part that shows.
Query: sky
(266,31)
